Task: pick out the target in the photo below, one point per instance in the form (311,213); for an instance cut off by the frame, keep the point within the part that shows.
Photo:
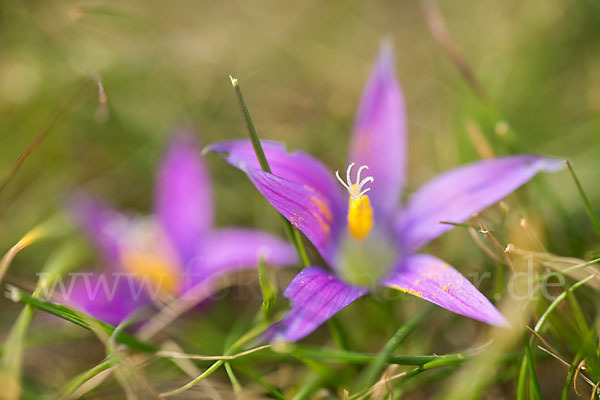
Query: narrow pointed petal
(315,296)
(232,249)
(183,199)
(456,195)
(434,280)
(101,223)
(379,139)
(297,167)
(306,209)
(299,188)
(110,297)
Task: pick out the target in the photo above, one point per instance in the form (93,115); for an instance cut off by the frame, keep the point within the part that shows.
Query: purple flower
(360,232)
(171,252)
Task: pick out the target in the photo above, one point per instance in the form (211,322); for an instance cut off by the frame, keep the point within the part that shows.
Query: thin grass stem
(293,233)
(403,332)
(588,205)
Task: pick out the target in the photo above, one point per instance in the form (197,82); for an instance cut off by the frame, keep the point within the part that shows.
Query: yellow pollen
(156,268)
(409,291)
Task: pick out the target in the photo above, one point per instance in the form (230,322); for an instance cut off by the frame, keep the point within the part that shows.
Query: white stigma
(355,189)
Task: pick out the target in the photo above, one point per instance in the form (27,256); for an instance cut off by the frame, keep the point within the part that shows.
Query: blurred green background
(302,66)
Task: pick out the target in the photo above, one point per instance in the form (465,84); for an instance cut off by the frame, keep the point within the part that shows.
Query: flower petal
(101,223)
(379,139)
(110,297)
(456,195)
(315,296)
(434,280)
(294,192)
(297,167)
(233,249)
(183,199)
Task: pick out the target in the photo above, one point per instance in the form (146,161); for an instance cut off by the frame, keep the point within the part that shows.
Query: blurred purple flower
(367,240)
(171,252)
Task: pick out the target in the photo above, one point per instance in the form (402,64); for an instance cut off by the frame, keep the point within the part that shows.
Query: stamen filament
(359,172)
(364,182)
(337,173)
(348,174)
(355,189)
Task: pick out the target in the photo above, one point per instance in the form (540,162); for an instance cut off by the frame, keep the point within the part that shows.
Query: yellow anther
(360,214)
(157,269)
(360,217)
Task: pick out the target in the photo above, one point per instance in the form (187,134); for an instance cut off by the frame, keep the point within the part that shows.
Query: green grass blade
(248,336)
(293,233)
(588,205)
(522,382)
(268,290)
(538,326)
(570,375)
(312,384)
(237,388)
(534,385)
(78,318)
(338,334)
(252,373)
(75,383)
(405,330)
(11,363)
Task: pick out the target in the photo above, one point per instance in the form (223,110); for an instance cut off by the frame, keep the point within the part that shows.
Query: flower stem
(268,290)
(293,233)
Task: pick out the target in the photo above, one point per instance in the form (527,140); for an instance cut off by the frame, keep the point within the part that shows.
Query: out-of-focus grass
(303,65)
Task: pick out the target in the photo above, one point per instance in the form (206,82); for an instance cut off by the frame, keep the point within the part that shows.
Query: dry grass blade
(481,144)
(475,235)
(190,369)
(29,238)
(170,354)
(545,342)
(580,368)
(595,391)
(566,364)
(56,119)
(497,245)
(574,267)
(437,27)
(383,383)
(532,235)
(89,385)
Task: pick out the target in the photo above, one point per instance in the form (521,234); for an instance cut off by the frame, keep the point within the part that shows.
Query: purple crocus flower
(367,240)
(171,252)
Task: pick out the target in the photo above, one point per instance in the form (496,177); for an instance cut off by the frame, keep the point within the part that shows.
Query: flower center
(147,255)
(360,214)
(365,262)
